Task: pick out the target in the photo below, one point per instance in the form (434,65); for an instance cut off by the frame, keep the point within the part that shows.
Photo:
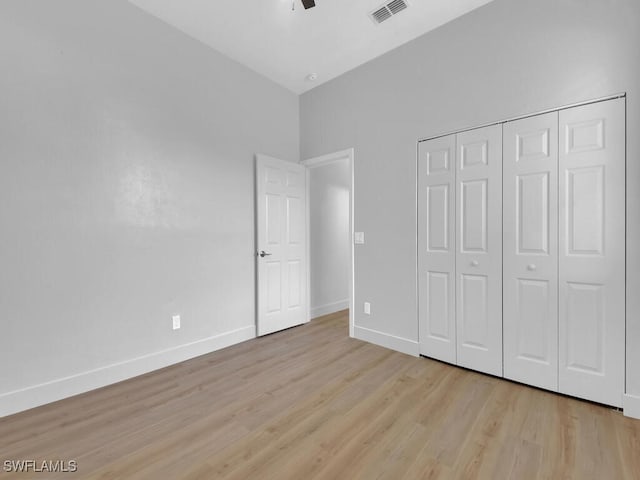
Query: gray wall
(126,189)
(329,240)
(505,59)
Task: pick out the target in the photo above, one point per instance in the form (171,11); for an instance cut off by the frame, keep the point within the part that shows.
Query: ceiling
(288,45)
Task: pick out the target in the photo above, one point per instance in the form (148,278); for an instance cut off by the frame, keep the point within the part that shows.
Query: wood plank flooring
(310,402)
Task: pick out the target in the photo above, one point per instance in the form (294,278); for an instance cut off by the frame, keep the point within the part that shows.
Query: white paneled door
(479,249)
(592,251)
(281,244)
(530,250)
(436,248)
(521,250)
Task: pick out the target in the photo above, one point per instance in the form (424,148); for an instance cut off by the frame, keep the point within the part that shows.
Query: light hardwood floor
(310,402)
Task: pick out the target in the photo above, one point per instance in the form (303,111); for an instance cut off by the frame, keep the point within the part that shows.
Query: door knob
(474,263)
(531,267)
(264,254)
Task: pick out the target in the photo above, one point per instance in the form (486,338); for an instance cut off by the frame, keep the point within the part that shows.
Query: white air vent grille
(387,10)
(381,14)
(396,6)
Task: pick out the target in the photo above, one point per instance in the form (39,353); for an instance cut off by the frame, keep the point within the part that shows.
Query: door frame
(321,161)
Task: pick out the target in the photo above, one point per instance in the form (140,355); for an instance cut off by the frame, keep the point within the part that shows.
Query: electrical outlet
(358,238)
(367,308)
(176,322)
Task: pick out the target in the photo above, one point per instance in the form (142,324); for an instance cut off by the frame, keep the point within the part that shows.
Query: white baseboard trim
(34,396)
(631,406)
(392,342)
(329,308)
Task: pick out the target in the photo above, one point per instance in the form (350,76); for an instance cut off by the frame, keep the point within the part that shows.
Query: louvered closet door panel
(530,250)
(479,249)
(592,251)
(436,248)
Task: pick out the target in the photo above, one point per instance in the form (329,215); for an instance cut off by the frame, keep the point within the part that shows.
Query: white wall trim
(34,396)
(631,406)
(399,344)
(323,160)
(329,308)
(320,161)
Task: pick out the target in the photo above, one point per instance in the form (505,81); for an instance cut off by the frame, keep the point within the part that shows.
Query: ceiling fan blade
(308,3)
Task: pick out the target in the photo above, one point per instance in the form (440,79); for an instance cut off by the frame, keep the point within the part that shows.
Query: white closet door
(436,248)
(530,250)
(479,249)
(592,251)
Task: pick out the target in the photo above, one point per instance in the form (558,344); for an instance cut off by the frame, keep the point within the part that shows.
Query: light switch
(359,238)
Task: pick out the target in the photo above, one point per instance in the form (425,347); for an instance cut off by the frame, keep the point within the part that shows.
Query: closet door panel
(479,249)
(530,244)
(592,251)
(436,248)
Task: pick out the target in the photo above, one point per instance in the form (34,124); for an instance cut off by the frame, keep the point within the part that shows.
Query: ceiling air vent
(387,10)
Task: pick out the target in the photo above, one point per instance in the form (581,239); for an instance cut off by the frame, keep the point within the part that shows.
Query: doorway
(330,233)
